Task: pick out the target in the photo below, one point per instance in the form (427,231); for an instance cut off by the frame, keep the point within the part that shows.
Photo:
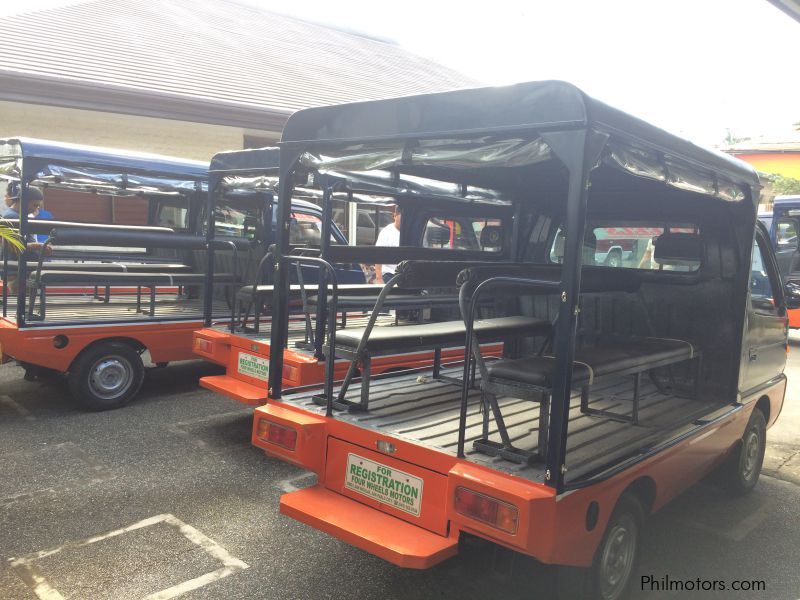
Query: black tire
(614,566)
(741,471)
(106,376)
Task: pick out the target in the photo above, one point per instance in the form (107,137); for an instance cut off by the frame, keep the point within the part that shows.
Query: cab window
(462,233)
(240,220)
(305,229)
(628,245)
(762,285)
(786,235)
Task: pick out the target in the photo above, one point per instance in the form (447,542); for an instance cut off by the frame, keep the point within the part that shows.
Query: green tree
(10,235)
(784,186)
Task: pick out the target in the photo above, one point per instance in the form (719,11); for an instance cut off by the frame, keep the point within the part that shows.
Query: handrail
(331,317)
(469,322)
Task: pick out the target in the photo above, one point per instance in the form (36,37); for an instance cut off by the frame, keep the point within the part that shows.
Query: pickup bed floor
(416,408)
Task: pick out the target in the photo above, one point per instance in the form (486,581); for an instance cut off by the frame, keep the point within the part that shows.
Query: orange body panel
(167,342)
(794,318)
(299,369)
(550,528)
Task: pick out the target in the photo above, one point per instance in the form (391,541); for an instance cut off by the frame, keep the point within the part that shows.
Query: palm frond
(10,235)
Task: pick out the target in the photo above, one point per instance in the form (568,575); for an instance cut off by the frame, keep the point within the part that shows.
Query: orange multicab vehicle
(243,346)
(619,387)
(96,297)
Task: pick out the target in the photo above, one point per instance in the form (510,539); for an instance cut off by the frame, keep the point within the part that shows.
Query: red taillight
(285,437)
(486,509)
(204,345)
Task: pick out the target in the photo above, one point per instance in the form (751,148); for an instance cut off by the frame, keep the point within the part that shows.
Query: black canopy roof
(256,159)
(535,106)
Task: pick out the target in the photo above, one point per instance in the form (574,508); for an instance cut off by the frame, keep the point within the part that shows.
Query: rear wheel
(611,573)
(106,376)
(741,472)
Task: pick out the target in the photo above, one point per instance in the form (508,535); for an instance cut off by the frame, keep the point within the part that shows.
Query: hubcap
(617,559)
(751,452)
(110,377)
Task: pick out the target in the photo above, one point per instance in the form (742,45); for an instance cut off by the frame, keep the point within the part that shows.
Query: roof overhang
(69,93)
(790,7)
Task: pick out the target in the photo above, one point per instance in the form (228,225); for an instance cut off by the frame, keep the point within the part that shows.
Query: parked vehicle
(97,296)
(783,223)
(243,345)
(618,388)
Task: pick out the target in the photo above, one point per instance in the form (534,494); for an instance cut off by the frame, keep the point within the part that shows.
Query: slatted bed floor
(425,411)
(120,307)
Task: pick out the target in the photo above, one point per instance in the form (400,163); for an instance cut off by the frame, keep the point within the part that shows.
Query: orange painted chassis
(552,529)
(166,341)
(299,368)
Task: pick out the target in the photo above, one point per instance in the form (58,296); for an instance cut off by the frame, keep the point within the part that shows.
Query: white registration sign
(384,484)
(253,366)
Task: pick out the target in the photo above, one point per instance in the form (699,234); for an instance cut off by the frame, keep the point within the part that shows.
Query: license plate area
(252,366)
(387,485)
(402,489)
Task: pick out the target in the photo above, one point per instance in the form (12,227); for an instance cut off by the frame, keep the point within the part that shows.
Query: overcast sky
(694,67)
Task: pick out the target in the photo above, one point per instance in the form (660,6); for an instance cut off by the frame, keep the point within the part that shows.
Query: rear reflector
(285,437)
(204,345)
(489,510)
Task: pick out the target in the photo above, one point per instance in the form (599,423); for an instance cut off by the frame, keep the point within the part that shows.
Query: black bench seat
(399,339)
(110,267)
(41,280)
(265,292)
(432,335)
(531,378)
(620,358)
(102,278)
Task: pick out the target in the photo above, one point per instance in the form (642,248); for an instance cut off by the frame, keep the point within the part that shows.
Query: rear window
(633,246)
(463,233)
(305,229)
(238,221)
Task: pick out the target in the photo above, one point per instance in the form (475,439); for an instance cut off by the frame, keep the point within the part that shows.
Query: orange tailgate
(395,487)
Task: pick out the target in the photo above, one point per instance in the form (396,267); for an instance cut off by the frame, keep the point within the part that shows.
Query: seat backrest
(679,251)
(492,238)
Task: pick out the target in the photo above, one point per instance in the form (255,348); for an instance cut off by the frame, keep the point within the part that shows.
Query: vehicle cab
(783,223)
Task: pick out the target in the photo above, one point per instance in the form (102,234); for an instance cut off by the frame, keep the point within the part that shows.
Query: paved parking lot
(166,498)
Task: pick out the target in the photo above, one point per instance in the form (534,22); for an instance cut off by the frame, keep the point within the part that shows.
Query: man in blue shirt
(11,210)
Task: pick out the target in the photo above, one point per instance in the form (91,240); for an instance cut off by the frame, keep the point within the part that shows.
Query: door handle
(753,355)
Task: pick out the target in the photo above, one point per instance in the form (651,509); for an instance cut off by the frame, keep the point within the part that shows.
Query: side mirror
(792,293)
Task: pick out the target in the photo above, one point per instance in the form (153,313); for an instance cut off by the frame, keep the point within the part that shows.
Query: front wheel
(106,376)
(612,571)
(743,468)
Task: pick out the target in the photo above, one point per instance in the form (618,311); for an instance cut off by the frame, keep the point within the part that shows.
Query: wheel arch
(644,490)
(763,404)
(134,343)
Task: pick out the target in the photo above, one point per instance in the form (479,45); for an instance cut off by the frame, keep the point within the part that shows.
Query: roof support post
(211,223)
(578,150)
(280,297)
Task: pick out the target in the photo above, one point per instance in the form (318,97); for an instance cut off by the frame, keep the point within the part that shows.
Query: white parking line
(28,572)
(21,410)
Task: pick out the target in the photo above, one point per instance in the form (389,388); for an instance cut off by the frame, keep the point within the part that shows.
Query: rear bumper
(246,393)
(421,534)
(393,540)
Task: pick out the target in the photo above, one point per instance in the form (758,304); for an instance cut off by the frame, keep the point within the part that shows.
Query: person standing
(389,236)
